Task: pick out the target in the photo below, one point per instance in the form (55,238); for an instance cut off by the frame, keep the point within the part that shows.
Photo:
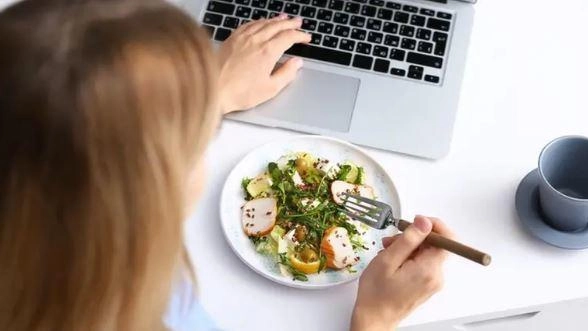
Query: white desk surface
(525,83)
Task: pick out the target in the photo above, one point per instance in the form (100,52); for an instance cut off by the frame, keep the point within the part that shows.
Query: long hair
(105,108)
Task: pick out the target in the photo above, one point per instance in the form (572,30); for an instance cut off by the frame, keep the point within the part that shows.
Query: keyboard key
(381,65)
(258,3)
(222,34)
(363,48)
(336,5)
(368,10)
(390,27)
(427,12)
(440,40)
(231,22)
(308,11)
(325,27)
(393,5)
(357,21)
(308,24)
(292,8)
(258,13)
(210,18)
(390,40)
(358,34)
(446,16)
(407,31)
(316,38)
(340,18)
(425,47)
(375,37)
(275,5)
(221,7)
(415,72)
(398,72)
(319,3)
(423,34)
(347,45)
(304,2)
(384,14)
(408,43)
(245,21)
(401,17)
(319,53)
(379,3)
(397,54)
(342,31)
(330,41)
(324,14)
(425,60)
(381,51)
(243,12)
(432,79)
(227,0)
(273,14)
(352,7)
(242,2)
(436,24)
(363,62)
(410,9)
(418,20)
(209,29)
(374,24)
(360,1)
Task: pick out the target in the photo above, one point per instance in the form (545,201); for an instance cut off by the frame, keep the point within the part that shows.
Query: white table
(525,83)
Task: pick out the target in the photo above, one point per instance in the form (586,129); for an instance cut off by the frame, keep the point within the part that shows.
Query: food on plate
(293,214)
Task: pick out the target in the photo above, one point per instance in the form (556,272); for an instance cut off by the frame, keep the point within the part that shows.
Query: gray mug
(563,186)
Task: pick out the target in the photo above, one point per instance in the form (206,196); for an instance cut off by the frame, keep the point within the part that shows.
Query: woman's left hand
(248,60)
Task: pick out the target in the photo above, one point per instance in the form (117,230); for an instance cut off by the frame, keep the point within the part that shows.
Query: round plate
(255,162)
(529,210)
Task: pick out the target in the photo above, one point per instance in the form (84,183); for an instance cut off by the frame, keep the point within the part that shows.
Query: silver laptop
(380,73)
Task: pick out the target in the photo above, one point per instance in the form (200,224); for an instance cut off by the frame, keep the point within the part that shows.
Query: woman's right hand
(403,276)
(248,58)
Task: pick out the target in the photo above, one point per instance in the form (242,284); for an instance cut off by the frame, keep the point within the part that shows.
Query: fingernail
(298,62)
(423,224)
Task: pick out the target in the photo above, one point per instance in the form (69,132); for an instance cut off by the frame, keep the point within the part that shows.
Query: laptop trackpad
(315,98)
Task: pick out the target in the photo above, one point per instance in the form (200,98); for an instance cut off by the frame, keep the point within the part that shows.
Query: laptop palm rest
(315,98)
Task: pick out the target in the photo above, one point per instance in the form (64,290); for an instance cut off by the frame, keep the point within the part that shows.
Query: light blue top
(184,313)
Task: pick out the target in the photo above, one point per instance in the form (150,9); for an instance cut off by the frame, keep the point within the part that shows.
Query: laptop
(380,73)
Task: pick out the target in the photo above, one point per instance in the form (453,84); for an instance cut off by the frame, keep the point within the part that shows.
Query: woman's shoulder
(184,312)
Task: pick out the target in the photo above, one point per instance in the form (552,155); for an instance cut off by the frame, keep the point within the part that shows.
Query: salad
(293,214)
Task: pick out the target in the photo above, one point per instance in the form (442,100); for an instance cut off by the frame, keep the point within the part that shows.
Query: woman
(106,108)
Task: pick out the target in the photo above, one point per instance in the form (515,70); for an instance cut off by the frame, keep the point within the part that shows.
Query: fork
(379,215)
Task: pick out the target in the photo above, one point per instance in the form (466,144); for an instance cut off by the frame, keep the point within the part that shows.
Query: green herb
(244,184)
(344,170)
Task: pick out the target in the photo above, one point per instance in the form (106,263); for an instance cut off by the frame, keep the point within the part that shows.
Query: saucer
(529,211)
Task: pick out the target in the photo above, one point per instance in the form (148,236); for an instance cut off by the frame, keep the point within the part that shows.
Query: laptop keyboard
(383,37)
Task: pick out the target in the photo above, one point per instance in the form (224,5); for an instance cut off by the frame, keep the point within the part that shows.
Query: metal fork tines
(373,213)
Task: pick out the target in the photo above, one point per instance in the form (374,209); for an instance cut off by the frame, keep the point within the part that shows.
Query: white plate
(256,162)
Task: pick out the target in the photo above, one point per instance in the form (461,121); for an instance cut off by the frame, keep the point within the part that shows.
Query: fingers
(273,27)
(387,241)
(285,74)
(286,38)
(407,242)
(257,25)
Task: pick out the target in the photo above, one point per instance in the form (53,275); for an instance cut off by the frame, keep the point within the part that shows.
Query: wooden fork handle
(453,246)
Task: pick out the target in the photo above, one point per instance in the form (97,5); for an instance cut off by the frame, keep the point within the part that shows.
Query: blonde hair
(105,107)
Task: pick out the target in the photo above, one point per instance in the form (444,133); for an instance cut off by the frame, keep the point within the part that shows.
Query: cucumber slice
(260,185)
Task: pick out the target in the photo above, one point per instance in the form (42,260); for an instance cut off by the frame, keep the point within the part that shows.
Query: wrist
(372,320)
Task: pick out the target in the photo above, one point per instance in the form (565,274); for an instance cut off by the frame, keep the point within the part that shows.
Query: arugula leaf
(244,184)
(344,170)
